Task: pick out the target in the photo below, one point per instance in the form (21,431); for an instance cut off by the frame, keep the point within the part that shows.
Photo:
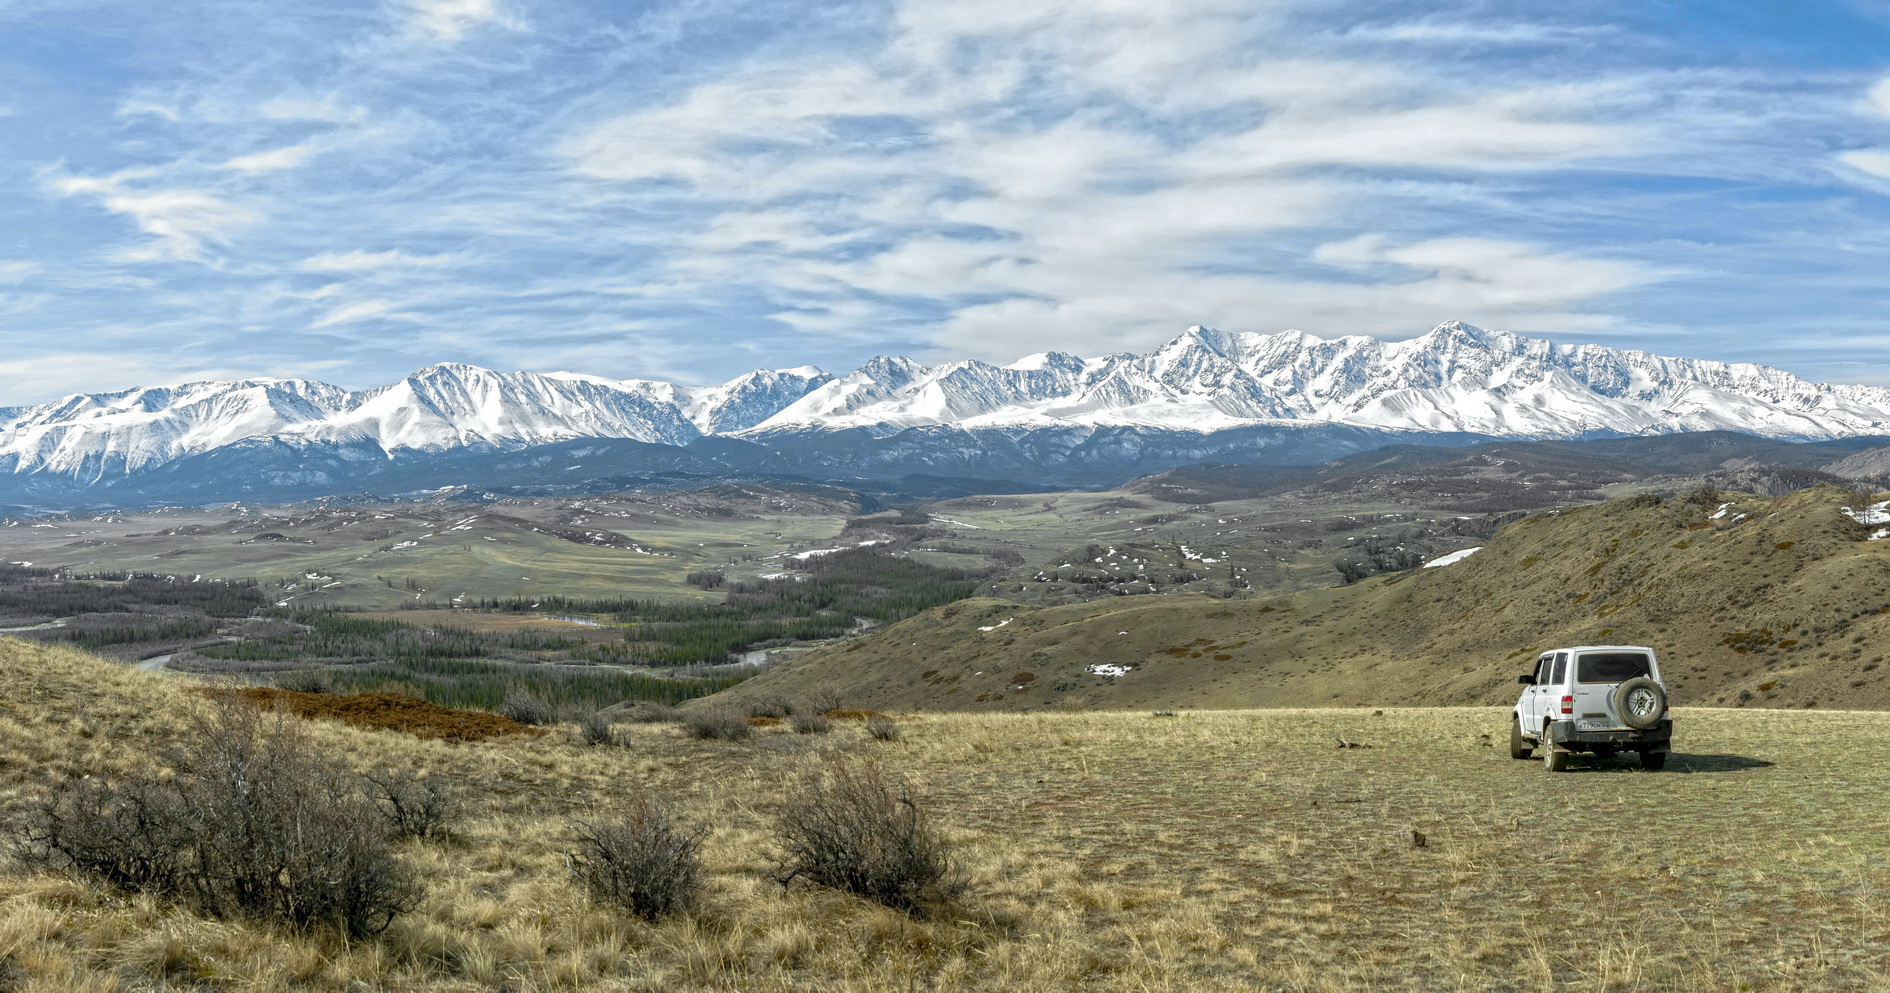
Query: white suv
(1595,698)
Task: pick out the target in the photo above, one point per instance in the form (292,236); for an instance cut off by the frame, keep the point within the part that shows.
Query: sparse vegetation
(251,824)
(651,712)
(717,724)
(417,806)
(1226,850)
(303,681)
(526,709)
(810,724)
(639,860)
(853,828)
(596,730)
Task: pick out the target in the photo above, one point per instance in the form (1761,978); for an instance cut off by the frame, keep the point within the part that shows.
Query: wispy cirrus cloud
(695,187)
(359,260)
(180,223)
(450,20)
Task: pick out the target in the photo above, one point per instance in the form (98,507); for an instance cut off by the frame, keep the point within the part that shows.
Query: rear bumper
(1655,739)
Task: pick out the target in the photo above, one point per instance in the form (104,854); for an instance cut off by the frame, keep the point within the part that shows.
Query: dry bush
(883,729)
(639,860)
(776,707)
(810,724)
(254,822)
(852,828)
(651,712)
(527,709)
(415,806)
(304,681)
(718,725)
(823,701)
(596,731)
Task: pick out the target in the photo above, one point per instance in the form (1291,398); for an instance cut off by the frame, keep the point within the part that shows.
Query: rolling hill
(1751,602)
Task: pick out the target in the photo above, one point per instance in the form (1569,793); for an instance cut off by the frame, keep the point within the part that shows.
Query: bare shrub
(526,709)
(823,701)
(853,829)
(131,836)
(254,822)
(722,725)
(651,712)
(639,860)
(771,706)
(810,724)
(881,728)
(596,730)
(415,806)
(304,681)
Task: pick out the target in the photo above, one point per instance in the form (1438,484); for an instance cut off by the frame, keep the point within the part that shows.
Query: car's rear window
(1611,667)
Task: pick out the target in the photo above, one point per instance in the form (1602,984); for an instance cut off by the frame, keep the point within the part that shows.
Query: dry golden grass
(1776,603)
(1214,850)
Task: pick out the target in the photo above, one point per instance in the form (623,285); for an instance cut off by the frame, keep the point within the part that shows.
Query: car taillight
(1568,705)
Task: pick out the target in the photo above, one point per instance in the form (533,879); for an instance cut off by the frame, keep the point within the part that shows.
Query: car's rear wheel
(1653,760)
(1553,759)
(1519,747)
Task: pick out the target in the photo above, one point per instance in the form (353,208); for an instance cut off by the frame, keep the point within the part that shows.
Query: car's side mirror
(1526,679)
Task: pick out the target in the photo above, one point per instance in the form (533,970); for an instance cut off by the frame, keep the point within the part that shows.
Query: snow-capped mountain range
(1455,381)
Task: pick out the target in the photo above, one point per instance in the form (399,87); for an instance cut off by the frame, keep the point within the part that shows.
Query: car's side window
(1542,670)
(1561,669)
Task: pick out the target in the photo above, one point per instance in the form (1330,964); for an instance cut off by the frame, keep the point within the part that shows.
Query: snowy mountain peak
(1454,378)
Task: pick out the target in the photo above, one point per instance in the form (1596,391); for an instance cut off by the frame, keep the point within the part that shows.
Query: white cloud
(1879,97)
(1870,161)
(1005,156)
(359,310)
(286,157)
(14,272)
(181,222)
(134,108)
(51,375)
(1436,31)
(450,20)
(359,260)
(329,107)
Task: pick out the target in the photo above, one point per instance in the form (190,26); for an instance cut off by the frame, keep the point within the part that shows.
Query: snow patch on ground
(1876,513)
(1453,558)
(1717,514)
(1108,669)
(999,624)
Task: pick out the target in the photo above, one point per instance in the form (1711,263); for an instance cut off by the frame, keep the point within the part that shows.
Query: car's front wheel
(1519,746)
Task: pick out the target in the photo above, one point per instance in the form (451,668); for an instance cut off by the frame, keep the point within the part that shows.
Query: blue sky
(687,190)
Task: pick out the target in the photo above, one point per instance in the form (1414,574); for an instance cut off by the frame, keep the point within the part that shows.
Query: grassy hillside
(1750,602)
(1119,851)
(404,552)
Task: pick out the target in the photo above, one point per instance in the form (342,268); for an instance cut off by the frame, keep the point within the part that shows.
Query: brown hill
(1749,601)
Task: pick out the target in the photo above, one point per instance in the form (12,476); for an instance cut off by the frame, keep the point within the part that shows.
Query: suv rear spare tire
(1639,703)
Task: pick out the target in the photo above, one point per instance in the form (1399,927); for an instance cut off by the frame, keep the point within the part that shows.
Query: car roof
(1605,648)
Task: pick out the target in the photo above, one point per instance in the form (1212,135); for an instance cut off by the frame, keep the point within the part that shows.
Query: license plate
(1592,725)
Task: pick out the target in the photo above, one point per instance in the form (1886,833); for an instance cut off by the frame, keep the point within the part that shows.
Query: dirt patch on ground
(389,711)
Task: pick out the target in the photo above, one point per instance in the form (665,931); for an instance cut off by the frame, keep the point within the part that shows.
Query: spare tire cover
(1639,702)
